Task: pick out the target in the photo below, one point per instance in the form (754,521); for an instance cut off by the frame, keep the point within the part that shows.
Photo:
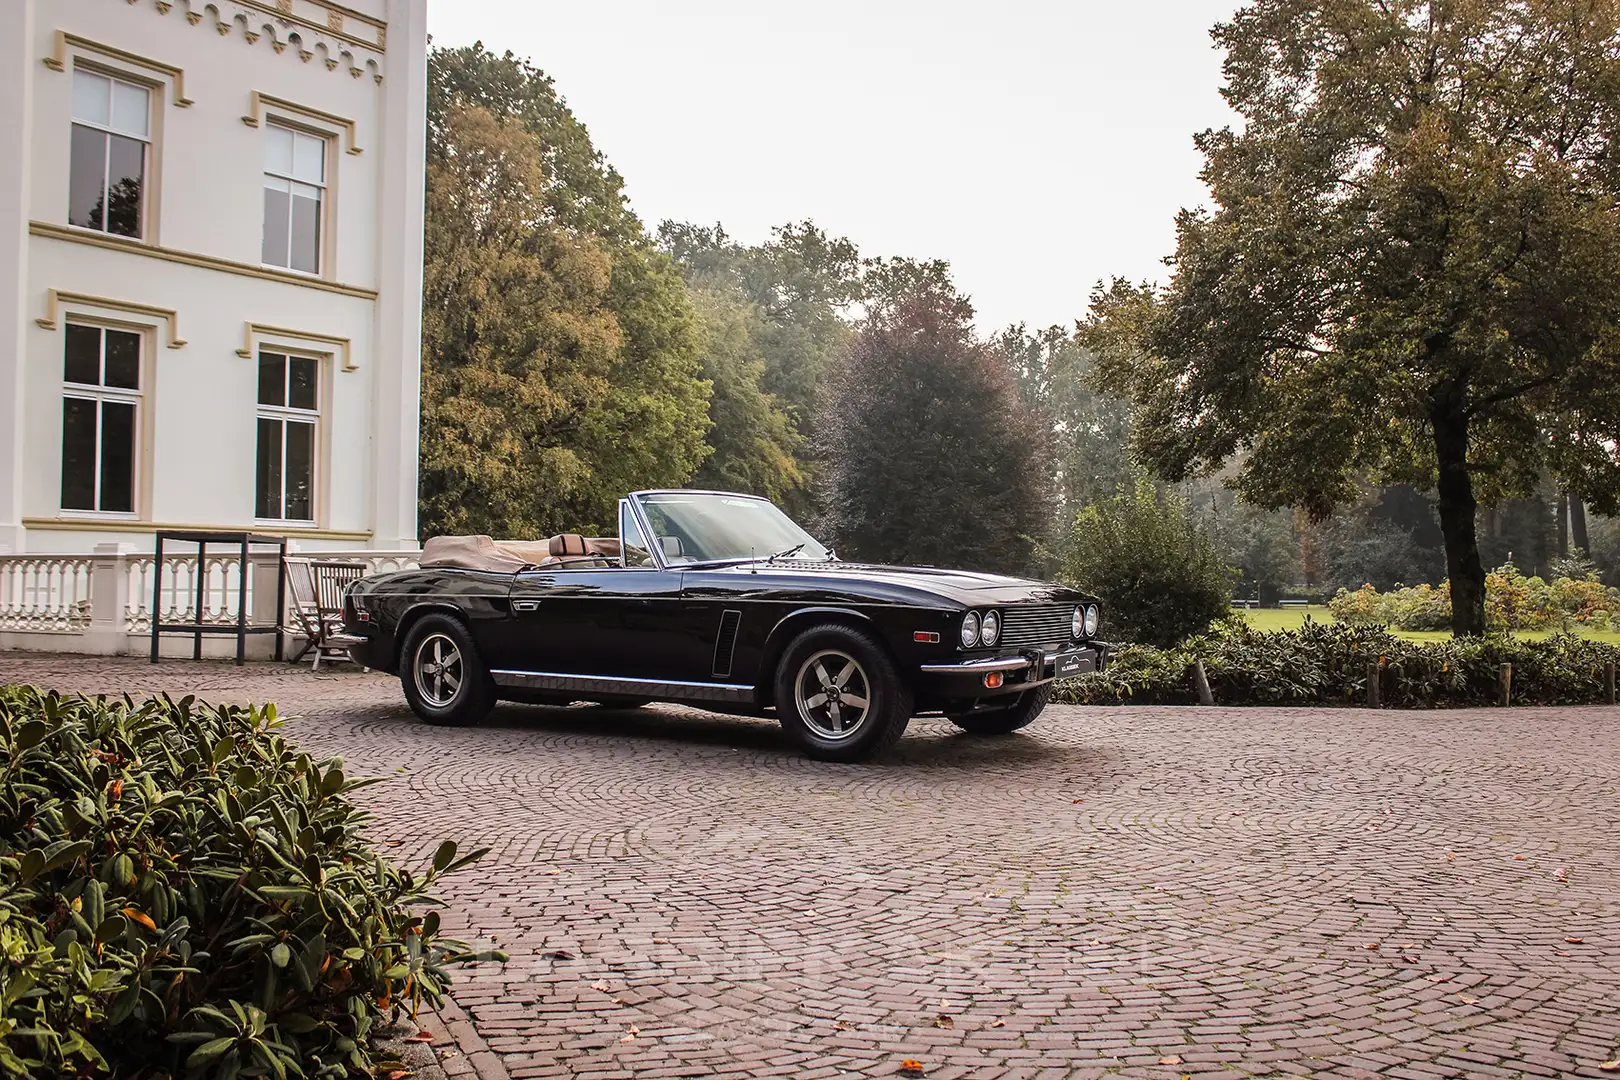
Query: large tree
(560,349)
(930,454)
(1411,271)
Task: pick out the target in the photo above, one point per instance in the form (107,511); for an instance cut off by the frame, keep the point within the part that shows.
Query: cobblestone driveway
(1134,892)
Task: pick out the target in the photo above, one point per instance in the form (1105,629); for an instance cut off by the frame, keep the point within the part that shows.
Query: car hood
(910,584)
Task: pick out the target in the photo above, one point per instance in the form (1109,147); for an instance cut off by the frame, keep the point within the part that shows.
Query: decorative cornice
(191,258)
(259,101)
(342,345)
(55,298)
(64,41)
(339,36)
(126,525)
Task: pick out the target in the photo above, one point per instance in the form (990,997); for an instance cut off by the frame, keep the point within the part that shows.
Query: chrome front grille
(1036,624)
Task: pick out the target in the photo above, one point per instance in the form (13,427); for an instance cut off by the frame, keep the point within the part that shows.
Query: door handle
(525,605)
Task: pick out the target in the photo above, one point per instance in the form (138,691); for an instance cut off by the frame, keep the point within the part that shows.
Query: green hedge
(183,892)
(1327,664)
(1512,602)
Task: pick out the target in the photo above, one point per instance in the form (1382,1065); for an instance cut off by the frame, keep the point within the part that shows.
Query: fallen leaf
(631,1037)
(394,843)
(1170,1059)
(1574,940)
(1610,1066)
(1562,953)
(660,941)
(420,1036)
(602,986)
(397,1074)
(1079,800)
(944,1021)
(560,954)
(1518,858)
(911,1068)
(1371,945)
(1466,1000)
(1439,978)
(998,1023)
(843,1025)
(620,1001)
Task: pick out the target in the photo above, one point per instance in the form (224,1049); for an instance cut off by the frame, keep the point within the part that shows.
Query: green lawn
(1291,618)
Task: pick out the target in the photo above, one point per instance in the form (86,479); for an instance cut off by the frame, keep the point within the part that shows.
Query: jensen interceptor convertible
(720,601)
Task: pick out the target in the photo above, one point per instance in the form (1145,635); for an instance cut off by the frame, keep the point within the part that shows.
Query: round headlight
(1093,618)
(1077,625)
(970,630)
(990,629)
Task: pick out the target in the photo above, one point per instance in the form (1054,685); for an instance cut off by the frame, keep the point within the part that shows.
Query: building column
(396,362)
(17,67)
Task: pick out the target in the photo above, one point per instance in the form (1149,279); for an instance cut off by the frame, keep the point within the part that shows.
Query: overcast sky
(1036,146)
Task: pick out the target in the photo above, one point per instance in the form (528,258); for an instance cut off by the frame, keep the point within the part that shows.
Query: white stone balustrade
(102,603)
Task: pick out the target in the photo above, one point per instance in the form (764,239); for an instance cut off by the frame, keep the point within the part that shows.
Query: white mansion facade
(210,270)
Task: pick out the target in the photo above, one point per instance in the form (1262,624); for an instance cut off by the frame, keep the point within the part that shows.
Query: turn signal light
(925,637)
(992,680)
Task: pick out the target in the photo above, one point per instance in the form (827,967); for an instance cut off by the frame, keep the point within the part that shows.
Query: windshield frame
(637,505)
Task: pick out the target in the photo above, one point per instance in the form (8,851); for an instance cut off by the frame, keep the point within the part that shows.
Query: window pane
(301,391)
(82,355)
(117,456)
(309,158)
(90,96)
(78,454)
(276,204)
(278,150)
(272,379)
(130,112)
(126,171)
(300,471)
(87,171)
(123,360)
(306,231)
(634,547)
(267,500)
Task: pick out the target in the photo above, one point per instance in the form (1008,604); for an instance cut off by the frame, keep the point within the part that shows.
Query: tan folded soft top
(510,556)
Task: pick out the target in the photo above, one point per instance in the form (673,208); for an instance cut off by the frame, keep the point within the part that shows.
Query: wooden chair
(332,581)
(304,609)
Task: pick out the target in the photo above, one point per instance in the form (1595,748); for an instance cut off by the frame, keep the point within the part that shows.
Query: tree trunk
(1563,522)
(1457,508)
(1577,525)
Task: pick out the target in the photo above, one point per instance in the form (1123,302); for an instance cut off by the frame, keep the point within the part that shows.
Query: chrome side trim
(978,667)
(659,689)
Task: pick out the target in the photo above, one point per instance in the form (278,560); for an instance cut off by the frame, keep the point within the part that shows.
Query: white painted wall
(207,200)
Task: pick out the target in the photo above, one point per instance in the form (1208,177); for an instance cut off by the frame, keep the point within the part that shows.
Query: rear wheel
(444,680)
(838,694)
(1007,718)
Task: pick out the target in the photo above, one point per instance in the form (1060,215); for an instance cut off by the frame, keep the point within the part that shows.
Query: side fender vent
(726,643)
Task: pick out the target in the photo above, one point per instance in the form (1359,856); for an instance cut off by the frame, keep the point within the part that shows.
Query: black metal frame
(245,541)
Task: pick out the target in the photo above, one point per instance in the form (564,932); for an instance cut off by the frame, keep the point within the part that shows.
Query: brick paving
(1131,892)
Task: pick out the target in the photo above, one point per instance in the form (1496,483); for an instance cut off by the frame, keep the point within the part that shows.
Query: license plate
(1065,664)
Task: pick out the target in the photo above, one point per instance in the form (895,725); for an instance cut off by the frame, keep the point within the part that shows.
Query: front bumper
(1028,669)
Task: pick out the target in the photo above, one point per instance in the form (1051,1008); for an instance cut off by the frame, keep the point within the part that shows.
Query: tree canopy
(1411,271)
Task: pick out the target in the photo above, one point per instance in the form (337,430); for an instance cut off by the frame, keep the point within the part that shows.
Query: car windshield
(693,527)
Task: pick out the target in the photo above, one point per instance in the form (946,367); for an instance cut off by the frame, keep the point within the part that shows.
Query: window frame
(284,414)
(145,218)
(101,394)
(327,189)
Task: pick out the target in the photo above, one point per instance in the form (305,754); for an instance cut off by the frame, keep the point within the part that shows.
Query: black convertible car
(721,601)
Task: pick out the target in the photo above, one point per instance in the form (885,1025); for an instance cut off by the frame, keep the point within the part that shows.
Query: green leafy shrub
(1329,664)
(1512,602)
(1159,573)
(184,893)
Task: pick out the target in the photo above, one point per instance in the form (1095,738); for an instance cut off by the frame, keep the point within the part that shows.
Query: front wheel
(443,678)
(839,695)
(1007,718)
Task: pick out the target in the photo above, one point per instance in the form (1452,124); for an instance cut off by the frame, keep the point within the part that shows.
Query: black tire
(823,730)
(443,641)
(1008,719)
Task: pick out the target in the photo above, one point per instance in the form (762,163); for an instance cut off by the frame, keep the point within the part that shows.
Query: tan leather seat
(567,544)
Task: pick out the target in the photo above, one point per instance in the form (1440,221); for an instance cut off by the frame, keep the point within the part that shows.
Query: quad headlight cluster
(981,630)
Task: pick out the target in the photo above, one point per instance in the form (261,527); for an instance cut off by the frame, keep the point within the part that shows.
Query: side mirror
(671,547)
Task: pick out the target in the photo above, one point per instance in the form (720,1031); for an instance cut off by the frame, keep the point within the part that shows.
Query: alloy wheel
(834,694)
(438,670)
